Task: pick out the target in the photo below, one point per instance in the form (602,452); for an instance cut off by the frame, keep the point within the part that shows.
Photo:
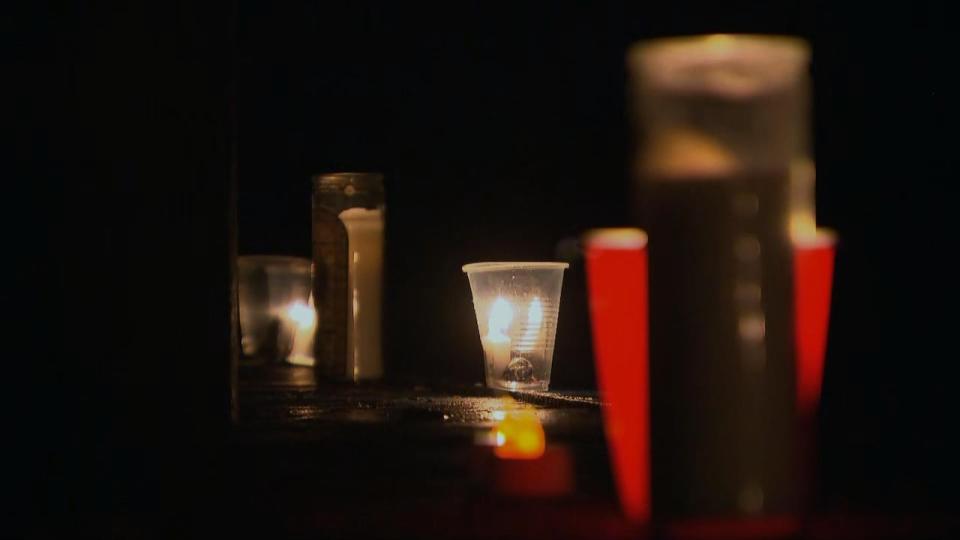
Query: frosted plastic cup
(617,287)
(516,304)
(277,316)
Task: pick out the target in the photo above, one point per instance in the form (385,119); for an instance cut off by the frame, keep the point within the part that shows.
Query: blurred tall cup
(723,177)
(813,262)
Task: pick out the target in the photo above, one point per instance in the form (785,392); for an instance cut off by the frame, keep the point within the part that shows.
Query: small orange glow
(519,436)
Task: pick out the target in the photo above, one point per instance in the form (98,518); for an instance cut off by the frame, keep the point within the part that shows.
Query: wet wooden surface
(381,461)
(400,462)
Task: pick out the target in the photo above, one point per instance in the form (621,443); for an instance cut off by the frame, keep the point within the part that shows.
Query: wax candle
(496,344)
(364,283)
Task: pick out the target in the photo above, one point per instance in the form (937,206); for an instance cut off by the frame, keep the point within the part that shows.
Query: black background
(501,130)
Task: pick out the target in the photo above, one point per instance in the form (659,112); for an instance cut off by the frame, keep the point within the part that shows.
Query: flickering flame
(302,315)
(519,436)
(501,315)
(534,321)
(302,318)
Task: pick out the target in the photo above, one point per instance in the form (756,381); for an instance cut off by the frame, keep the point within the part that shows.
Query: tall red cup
(617,283)
(617,286)
(813,259)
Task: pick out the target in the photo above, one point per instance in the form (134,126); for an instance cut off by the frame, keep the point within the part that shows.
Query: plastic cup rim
(823,238)
(504,265)
(626,238)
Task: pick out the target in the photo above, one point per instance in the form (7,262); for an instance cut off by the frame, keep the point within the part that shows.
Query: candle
(496,344)
(348,211)
(273,294)
(365,265)
(303,319)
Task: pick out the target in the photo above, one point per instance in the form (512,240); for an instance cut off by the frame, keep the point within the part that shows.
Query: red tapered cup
(617,285)
(813,259)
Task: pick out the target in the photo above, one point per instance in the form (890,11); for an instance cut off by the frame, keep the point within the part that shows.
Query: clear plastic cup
(517,304)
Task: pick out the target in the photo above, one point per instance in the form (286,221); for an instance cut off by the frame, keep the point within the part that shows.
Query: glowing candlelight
(519,435)
(276,312)
(303,317)
(496,344)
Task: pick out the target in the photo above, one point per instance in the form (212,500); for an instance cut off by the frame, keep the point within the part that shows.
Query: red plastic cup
(813,260)
(617,284)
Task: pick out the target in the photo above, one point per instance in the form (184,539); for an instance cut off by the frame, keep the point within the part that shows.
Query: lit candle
(303,318)
(496,344)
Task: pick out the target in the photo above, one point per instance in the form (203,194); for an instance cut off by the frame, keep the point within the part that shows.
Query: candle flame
(501,315)
(302,315)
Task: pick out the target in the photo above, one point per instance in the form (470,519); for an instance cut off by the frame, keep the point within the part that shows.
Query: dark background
(501,130)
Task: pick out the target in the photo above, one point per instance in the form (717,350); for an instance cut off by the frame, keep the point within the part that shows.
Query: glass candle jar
(348,217)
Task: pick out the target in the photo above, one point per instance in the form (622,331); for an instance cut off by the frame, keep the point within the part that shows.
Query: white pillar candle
(364,287)
(496,344)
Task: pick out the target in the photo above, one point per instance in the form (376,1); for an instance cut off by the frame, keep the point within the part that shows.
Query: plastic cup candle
(516,306)
(277,315)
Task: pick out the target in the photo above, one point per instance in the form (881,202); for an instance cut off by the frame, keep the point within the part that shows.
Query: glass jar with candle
(348,217)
